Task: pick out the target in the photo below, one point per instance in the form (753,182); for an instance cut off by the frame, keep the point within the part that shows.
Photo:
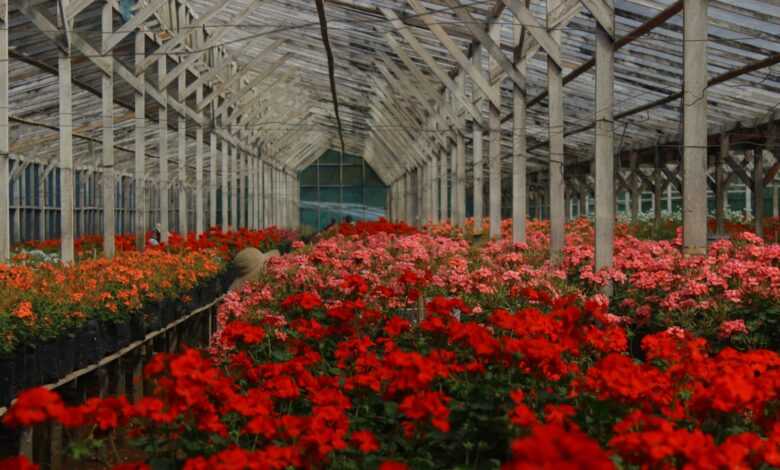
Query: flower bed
(57,318)
(515,364)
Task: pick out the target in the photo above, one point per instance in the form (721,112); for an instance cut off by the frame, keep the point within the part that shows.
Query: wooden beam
(138,19)
(459,173)
(454,50)
(695,127)
(556,163)
(182,174)
(177,39)
(519,144)
(213,41)
(428,59)
(107,177)
(200,216)
(546,39)
(5,203)
(477,152)
(141,209)
(163,152)
(494,50)
(66,156)
(494,150)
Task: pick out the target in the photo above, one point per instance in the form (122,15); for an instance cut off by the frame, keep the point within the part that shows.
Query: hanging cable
(331,69)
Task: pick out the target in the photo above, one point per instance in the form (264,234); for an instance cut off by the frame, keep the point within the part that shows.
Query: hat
(248,264)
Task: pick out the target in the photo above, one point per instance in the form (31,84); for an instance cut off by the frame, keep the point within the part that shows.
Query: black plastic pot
(7,386)
(136,326)
(152,320)
(89,349)
(168,311)
(107,340)
(47,355)
(121,333)
(68,354)
(27,369)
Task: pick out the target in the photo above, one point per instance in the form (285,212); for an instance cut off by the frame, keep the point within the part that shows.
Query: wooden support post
(260,194)
(66,155)
(556,165)
(225,152)
(636,184)
(519,143)
(213,152)
(658,187)
(200,215)
(55,446)
(695,127)
(141,207)
(604,166)
(476,146)
(721,184)
(107,175)
(182,179)
(433,183)
(235,188)
(138,374)
(444,195)
(5,203)
(758,191)
(163,144)
(771,149)
(494,146)
(409,197)
(26,440)
(459,174)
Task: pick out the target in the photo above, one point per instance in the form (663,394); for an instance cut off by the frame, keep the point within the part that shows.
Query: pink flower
(729,328)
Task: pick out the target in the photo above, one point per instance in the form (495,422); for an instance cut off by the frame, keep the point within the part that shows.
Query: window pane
(330,194)
(352,160)
(309,217)
(371,178)
(376,196)
(330,176)
(331,156)
(352,175)
(353,194)
(309,176)
(307,194)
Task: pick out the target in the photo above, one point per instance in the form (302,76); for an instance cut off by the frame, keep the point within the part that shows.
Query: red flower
(433,405)
(243,332)
(551,446)
(19,462)
(34,406)
(393,465)
(365,441)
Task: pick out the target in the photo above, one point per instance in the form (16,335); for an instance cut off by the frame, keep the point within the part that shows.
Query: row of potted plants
(57,318)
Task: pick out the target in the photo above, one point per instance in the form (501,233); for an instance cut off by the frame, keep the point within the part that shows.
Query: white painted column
(494,146)
(200,216)
(66,154)
(182,174)
(163,122)
(556,166)
(235,188)
(476,144)
(213,185)
(604,151)
(107,174)
(225,153)
(695,127)
(519,145)
(444,190)
(5,203)
(141,206)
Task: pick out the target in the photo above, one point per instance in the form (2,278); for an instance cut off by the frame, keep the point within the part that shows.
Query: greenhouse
(389,234)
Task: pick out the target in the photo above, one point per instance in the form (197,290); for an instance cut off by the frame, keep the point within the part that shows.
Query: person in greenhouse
(248,265)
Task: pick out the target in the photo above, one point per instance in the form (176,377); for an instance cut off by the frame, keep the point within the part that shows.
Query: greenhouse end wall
(338,186)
